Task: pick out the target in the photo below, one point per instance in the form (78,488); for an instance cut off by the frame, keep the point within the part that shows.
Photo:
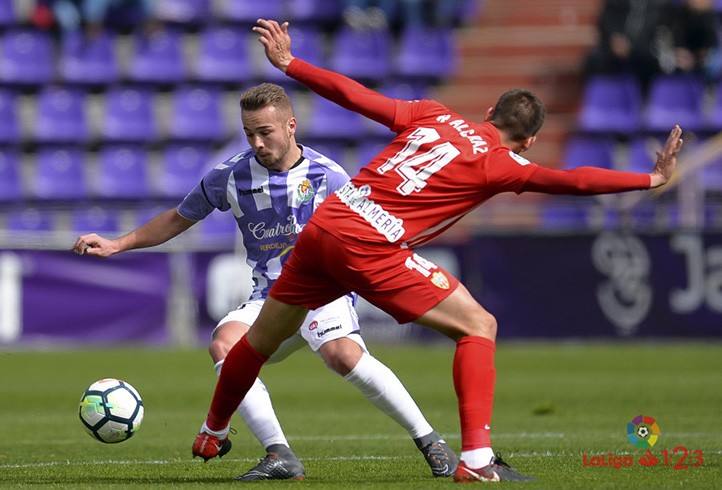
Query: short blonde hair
(264,95)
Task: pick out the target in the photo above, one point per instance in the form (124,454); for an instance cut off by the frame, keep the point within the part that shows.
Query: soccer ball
(111,410)
(642,431)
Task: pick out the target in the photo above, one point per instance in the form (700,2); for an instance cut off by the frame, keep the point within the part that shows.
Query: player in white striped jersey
(272,190)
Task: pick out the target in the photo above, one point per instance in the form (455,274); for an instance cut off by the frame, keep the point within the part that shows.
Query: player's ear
(489,113)
(291,126)
(527,143)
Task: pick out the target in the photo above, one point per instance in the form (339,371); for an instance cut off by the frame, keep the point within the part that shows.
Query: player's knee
(224,338)
(218,349)
(341,355)
(483,325)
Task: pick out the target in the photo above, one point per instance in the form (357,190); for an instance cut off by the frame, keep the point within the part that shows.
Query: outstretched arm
(592,180)
(340,89)
(156,231)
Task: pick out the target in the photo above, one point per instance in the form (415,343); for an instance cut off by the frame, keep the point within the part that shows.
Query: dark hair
(264,95)
(519,113)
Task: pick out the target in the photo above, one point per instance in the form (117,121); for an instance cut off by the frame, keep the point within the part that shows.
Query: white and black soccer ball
(111,410)
(642,431)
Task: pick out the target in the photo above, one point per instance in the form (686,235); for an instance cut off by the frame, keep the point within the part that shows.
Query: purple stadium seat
(674,99)
(122,172)
(9,118)
(10,180)
(196,114)
(588,151)
(375,129)
(308,44)
(248,11)
(315,10)
(94,220)
(183,11)
(85,60)
(711,177)
(611,103)
(367,150)
(182,168)
(224,55)
(563,215)
(405,89)
(362,55)
(329,120)
(713,119)
(30,219)
(158,58)
(427,53)
(129,115)
(59,173)
(642,154)
(61,116)
(7,14)
(27,57)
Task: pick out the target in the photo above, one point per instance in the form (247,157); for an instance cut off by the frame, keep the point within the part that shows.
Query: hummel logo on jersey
(327,330)
(245,192)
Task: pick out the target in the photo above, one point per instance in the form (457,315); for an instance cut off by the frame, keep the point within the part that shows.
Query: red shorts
(323,267)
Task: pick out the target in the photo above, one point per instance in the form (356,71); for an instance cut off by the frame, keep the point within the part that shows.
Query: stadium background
(638,265)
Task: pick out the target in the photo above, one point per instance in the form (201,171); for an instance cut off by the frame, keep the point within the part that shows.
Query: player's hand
(276,42)
(667,159)
(96,245)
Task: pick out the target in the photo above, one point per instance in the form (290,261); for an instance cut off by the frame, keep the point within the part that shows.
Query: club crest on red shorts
(439,280)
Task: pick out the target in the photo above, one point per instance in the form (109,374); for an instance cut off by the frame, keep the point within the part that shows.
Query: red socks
(474,376)
(240,370)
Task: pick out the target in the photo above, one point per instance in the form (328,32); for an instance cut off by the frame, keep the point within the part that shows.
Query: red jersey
(439,167)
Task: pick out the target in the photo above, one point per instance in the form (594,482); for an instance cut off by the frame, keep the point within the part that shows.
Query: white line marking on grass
(533,454)
(386,437)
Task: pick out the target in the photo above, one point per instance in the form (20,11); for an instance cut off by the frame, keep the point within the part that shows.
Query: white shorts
(335,320)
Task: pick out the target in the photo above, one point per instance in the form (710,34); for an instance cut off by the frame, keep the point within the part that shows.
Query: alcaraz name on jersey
(271,208)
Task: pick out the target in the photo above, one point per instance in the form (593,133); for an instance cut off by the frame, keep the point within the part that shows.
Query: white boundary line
(545,454)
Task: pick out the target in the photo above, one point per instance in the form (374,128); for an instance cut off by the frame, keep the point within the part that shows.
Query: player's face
(270,134)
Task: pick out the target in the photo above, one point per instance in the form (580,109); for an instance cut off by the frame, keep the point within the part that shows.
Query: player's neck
(292,158)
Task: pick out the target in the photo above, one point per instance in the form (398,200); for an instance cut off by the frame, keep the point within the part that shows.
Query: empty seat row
(615,104)
(636,155)
(106,220)
(565,215)
(68,173)
(133,172)
(63,114)
(218,54)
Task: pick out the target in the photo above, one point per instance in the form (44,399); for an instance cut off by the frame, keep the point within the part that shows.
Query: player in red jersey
(438,168)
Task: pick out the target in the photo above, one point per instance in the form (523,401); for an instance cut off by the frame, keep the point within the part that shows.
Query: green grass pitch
(555,403)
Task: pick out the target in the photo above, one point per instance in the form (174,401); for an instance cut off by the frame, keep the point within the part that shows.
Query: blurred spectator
(397,14)
(93,16)
(369,14)
(629,39)
(693,39)
(441,13)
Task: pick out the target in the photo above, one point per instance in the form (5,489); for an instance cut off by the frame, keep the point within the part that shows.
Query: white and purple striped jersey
(271,208)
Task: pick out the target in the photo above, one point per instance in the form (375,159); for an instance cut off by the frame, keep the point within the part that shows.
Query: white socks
(256,410)
(382,388)
(478,458)
(220,434)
